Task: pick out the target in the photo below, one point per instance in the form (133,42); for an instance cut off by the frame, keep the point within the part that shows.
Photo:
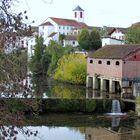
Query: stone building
(113,67)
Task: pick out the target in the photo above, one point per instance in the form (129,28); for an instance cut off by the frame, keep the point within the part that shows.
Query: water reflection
(68,133)
(73,127)
(42,87)
(115,121)
(40,133)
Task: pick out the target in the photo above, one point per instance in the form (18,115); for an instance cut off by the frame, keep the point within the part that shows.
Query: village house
(115,35)
(111,41)
(113,67)
(118,33)
(53,27)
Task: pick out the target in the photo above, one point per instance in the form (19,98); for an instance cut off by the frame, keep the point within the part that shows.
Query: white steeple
(79,14)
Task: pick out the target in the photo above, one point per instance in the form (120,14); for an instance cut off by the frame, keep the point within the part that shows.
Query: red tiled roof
(46,24)
(115,51)
(68,22)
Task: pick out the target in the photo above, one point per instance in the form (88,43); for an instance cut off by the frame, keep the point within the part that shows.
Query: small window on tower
(81,14)
(75,14)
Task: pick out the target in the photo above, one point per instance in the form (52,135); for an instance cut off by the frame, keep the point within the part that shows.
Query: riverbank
(63,105)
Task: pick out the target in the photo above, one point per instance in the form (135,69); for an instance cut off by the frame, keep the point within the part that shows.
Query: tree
(89,41)
(39,61)
(103,31)
(11,26)
(95,39)
(71,68)
(133,35)
(56,51)
(84,39)
(11,22)
(12,64)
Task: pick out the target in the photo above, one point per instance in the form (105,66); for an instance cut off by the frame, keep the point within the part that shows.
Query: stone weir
(62,105)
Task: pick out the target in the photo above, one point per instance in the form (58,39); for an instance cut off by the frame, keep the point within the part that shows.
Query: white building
(31,43)
(53,27)
(118,33)
(115,36)
(111,41)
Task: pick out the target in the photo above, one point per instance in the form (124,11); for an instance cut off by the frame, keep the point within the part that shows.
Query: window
(117,63)
(75,14)
(73,42)
(81,14)
(91,61)
(27,43)
(130,83)
(59,27)
(99,62)
(108,62)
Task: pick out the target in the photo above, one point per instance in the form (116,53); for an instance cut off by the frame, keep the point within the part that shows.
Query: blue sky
(119,13)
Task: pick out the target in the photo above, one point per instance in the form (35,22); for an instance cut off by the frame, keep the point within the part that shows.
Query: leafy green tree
(89,41)
(71,68)
(103,31)
(56,51)
(133,35)
(84,39)
(95,38)
(39,62)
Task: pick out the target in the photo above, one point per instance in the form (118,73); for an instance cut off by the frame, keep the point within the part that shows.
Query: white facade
(117,34)
(78,14)
(111,41)
(31,43)
(73,43)
(46,31)
(53,27)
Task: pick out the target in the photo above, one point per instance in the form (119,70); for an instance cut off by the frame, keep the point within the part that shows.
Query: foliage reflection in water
(73,127)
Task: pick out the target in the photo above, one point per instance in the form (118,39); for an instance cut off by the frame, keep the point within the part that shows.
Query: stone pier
(110,85)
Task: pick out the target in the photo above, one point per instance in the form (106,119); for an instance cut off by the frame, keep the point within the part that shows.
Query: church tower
(79,14)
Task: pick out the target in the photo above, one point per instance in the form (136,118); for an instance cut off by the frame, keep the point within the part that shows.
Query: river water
(72,126)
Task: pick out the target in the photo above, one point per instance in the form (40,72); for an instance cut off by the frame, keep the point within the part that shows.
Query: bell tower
(78,14)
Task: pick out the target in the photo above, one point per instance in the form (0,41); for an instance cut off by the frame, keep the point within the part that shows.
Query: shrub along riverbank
(60,105)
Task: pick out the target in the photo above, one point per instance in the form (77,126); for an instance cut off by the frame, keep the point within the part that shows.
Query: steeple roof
(78,8)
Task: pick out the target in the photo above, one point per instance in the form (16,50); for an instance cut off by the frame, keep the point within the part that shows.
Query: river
(72,126)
